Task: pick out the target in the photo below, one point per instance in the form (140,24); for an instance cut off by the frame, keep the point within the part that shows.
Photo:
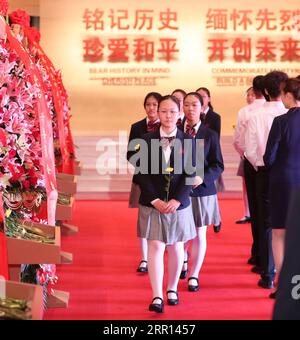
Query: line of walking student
(267,138)
(175,192)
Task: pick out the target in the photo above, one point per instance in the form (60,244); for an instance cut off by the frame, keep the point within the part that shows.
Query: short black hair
(156,95)
(273,81)
(258,85)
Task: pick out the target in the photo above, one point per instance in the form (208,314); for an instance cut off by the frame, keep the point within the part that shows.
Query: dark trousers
(250,181)
(267,264)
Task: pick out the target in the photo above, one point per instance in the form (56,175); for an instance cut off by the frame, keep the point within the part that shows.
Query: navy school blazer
(213,121)
(213,161)
(153,185)
(137,130)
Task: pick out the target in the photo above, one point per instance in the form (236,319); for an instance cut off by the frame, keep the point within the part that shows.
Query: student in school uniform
(212,120)
(165,215)
(204,197)
(209,117)
(149,124)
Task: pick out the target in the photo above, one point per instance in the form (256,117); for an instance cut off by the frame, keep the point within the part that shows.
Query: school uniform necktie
(166,141)
(179,122)
(152,127)
(190,130)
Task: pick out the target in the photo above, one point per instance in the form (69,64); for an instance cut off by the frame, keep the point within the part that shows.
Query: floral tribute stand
(27,163)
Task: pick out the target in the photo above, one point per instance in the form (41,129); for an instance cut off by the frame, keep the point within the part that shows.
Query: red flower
(3,137)
(33,181)
(26,184)
(20,17)
(17,172)
(12,153)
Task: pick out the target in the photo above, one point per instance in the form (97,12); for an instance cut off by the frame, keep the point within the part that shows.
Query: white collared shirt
(244,115)
(181,117)
(205,111)
(167,151)
(258,129)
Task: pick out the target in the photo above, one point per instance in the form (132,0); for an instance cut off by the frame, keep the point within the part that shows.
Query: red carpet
(103,283)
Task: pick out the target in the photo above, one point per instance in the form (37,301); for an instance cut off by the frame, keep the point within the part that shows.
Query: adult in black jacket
(283,158)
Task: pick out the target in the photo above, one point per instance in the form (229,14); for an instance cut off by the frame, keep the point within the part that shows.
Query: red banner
(67,162)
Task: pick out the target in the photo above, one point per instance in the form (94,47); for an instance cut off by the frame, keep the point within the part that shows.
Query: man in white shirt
(249,172)
(257,132)
(245,114)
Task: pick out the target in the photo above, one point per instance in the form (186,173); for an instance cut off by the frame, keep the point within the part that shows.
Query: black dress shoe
(256,270)
(266,284)
(142,269)
(193,288)
(244,220)
(173,302)
(157,307)
(273,295)
(184,273)
(217,228)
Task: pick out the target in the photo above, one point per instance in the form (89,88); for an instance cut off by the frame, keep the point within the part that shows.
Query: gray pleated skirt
(206,211)
(134,196)
(168,228)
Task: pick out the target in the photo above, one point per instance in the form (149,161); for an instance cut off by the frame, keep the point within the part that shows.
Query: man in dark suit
(287,306)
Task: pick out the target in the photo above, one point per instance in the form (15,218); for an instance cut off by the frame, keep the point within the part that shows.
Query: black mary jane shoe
(157,307)
(184,273)
(193,288)
(141,269)
(173,302)
(217,228)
